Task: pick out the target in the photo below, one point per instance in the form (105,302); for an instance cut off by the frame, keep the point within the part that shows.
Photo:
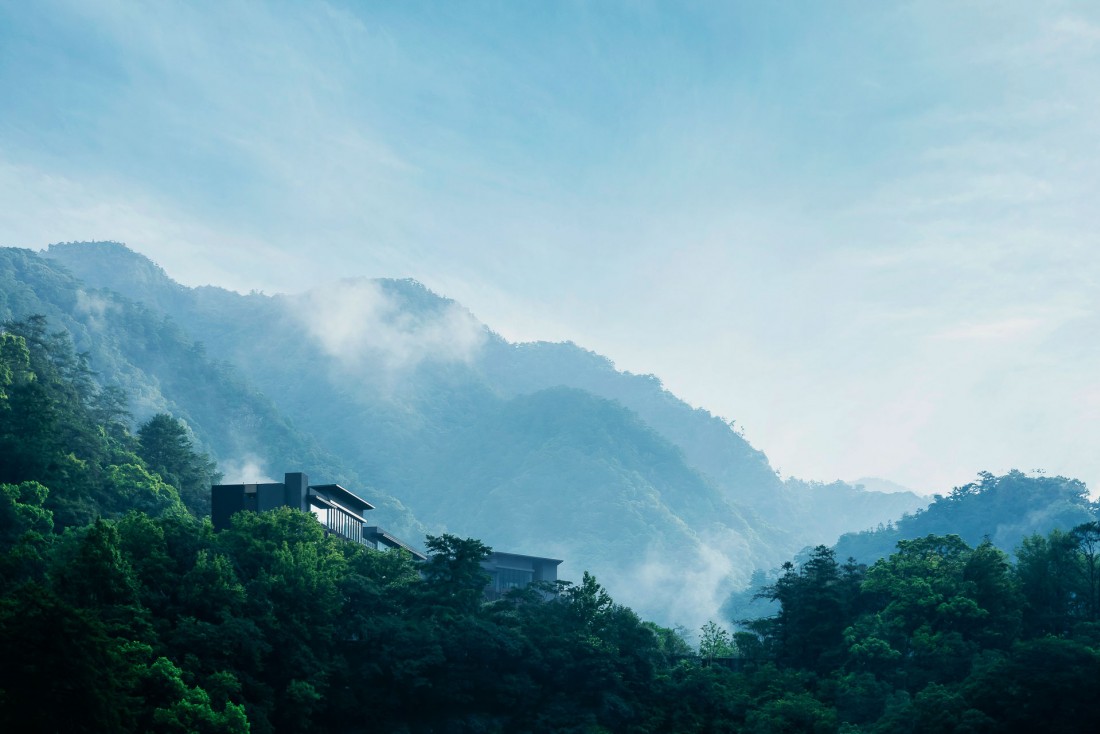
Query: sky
(866,232)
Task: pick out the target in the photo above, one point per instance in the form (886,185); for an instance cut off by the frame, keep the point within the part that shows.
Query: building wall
(506,570)
(510,571)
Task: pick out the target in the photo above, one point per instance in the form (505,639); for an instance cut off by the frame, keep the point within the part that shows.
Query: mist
(358,323)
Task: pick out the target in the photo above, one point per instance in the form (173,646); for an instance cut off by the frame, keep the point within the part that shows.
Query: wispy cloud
(43,207)
(771,211)
(687,591)
(247,469)
(95,309)
(1002,330)
(357,322)
(1077,29)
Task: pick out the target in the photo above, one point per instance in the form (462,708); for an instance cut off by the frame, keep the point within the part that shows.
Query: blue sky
(864,231)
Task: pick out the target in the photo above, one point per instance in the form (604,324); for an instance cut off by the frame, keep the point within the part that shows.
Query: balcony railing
(335,520)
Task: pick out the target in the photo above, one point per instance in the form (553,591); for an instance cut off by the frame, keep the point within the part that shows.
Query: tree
(930,612)
(1046,570)
(453,570)
(714,642)
(672,641)
(1041,685)
(988,580)
(61,671)
(808,631)
(166,447)
(589,601)
(1087,536)
(25,527)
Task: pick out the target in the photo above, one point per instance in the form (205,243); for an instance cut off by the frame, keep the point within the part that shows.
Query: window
(510,578)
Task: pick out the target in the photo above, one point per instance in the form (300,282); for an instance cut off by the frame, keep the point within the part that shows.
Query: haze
(865,233)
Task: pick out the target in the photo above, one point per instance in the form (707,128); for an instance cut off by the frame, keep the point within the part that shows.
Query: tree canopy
(122,610)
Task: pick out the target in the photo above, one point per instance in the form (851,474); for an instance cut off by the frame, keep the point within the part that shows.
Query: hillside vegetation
(1004,510)
(446,427)
(118,600)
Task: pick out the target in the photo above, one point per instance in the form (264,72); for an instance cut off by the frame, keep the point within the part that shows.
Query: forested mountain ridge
(710,445)
(161,369)
(743,475)
(117,600)
(402,388)
(122,611)
(1004,510)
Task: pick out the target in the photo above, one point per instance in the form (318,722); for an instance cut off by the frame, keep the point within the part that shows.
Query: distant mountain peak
(878,484)
(103,249)
(115,266)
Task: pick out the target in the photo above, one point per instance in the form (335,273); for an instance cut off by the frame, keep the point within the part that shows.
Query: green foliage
(58,429)
(938,636)
(714,642)
(672,642)
(1005,509)
(149,621)
(453,571)
(136,615)
(814,601)
(25,526)
(15,363)
(167,449)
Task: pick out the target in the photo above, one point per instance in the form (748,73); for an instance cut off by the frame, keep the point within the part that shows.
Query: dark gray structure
(341,512)
(338,510)
(509,571)
(376,536)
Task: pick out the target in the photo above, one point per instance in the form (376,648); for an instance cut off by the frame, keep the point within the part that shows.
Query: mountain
(115,597)
(878,484)
(149,357)
(1003,509)
(536,448)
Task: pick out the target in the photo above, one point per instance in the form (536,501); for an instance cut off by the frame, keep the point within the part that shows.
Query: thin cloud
(1002,330)
(1079,29)
(358,323)
(246,469)
(777,225)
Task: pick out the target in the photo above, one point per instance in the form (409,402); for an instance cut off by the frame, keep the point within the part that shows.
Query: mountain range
(408,399)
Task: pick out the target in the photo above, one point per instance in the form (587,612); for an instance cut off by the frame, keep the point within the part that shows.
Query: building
(377,537)
(341,513)
(509,571)
(339,510)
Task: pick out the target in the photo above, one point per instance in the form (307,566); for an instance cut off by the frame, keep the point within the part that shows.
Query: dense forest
(1005,509)
(122,610)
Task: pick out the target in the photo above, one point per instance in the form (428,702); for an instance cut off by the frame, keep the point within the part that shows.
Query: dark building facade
(339,510)
(509,571)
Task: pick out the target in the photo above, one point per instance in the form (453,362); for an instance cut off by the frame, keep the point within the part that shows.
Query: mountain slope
(485,361)
(1004,509)
(474,434)
(163,369)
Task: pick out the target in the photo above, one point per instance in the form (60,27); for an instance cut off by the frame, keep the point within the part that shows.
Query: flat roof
(339,493)
(248,484)
(378,534)
(555,561)
(318,501)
